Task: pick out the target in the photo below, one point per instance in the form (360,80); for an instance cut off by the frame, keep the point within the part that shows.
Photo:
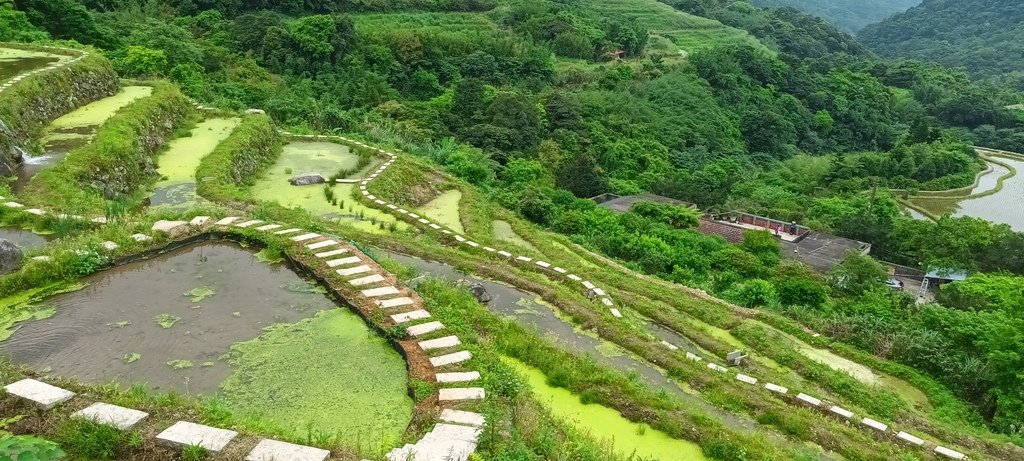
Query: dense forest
(848,15)
(983,36)
(543,104)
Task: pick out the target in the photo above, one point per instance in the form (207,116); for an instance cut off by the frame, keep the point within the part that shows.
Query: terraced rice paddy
(503,231)
(444,210)
(14,61)
(177,166)
(991,207)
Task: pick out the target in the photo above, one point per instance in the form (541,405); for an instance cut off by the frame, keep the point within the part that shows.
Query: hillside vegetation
(984,36)
(848,15)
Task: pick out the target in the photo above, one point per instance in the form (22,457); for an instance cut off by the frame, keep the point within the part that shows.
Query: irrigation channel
(74,130)
(603,423)
(210,319)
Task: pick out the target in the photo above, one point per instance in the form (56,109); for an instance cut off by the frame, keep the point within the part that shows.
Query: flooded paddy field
(503,231)
(444,210)
(211,320)
(991,207)
(177,166)
(14,61)
(74,130)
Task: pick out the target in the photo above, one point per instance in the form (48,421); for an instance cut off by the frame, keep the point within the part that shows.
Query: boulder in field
(10,257)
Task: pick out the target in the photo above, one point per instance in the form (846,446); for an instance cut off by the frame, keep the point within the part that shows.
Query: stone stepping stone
(607,302)
(465,418)
(328,254)
(249,223)
(141,237)
(878,426)
(560,270)
(460,238)
(808,399)
(354,270)
(109,246)
(951,454)
(273,450)
(344,261)
(505,254)
(395,302)
(524,259)
(375,278)
(41,394)
(418,314)
(846,414)
(776,388)
(543,264)
(167,227)
(449,432)
(718,368)
(184,433)
(304,237)
(588,285)
(381,291)
(458,377)
(35,211)
(670,346)
(99,220)
(226,221)
(424,328)
(574,277)
(269,227)
(450,359)
(694,357)
(911,439)
(616,313)
(111,415)
(461,393)
(440,343)
(287,231)
(598,291)
(13,205)
(746,379)
(472,244)
(434,226)
(323,244)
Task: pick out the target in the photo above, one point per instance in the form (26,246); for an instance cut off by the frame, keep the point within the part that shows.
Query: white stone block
(846,414)
(423,221)
(414,216)
(808,399)
(465,418)
(424,328)
(461,393)
(472,244)
(615,313)
(460,238)
(111,415)
(99,220)
(446,231)
(167,227)
(328,254)
(911,439)
(392,207)
(269,227)
(693,357)
(226,221)
(379,202)
(323,244)
(375,278)
(505,254)
(489,249)
(524,259)
(670,346)
(574,277)
(718,368)
(449,359)
(344,261)
(440,343)
(402,211)
(109,246)
(606,302)
(350,271)
(951,454)
(746,379)
(418,314)
(776,388)
(141,237)
(588,285)
(371,197)
(381,291)
(13,205)
(35,211)
(273,450)
(876,425)
(304,237)
(434,226)
(395,302)
(458,377)
(41,394)
(598,292)
(560,270)
(287,231)
(250,223)
(184,433)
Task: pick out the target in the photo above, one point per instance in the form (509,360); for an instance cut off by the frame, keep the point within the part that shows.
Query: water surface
(26,240)
(1002,207)
(14,61)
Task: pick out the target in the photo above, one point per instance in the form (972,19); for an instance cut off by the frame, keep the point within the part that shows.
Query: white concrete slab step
(451,359)
(167,227)
(41,394)
(465,418)
(350,271)
(323,244)
(458,377)
(909,438)
(424,328)
(381,291)
(288,231)
(249,223)
(228,220)
(111,415)
(273,450)
(184,433)
(444,431)
(328,254)
(269,227)
(304,237)
(369,279)
(395,302)
(951,454)
(876,425)
(344,261)
(418,314)
(440,343)
(199,220)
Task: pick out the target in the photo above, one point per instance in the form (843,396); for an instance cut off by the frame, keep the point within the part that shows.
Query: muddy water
(178,164)
(26,240)
(110,331)
(14,61)
(74,130)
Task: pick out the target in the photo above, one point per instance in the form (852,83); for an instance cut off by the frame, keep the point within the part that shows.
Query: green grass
(84,439)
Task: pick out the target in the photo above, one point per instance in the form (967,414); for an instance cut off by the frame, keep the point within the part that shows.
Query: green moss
(199,293)
(327,376)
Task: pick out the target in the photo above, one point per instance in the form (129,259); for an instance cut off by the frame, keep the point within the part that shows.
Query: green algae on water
(131,357)
(304,287)
(444,210)
(199,293)
(120,324)
(166,321)
(24,307)
(180,364)
(95,113)
(605,424)
(329,373)
(503,231)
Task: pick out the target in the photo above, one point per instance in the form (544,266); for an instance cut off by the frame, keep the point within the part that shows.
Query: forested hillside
(540,105)
(984,36)
(848,15)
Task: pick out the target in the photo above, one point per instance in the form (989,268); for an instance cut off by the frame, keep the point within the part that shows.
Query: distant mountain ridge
(984,36)
(848,15)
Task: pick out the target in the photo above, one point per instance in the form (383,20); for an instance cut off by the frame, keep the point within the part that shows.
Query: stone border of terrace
(57,65)
(455,238)
(592,290)
(363,284)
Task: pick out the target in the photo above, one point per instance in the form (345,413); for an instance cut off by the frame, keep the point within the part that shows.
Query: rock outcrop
(10,257)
